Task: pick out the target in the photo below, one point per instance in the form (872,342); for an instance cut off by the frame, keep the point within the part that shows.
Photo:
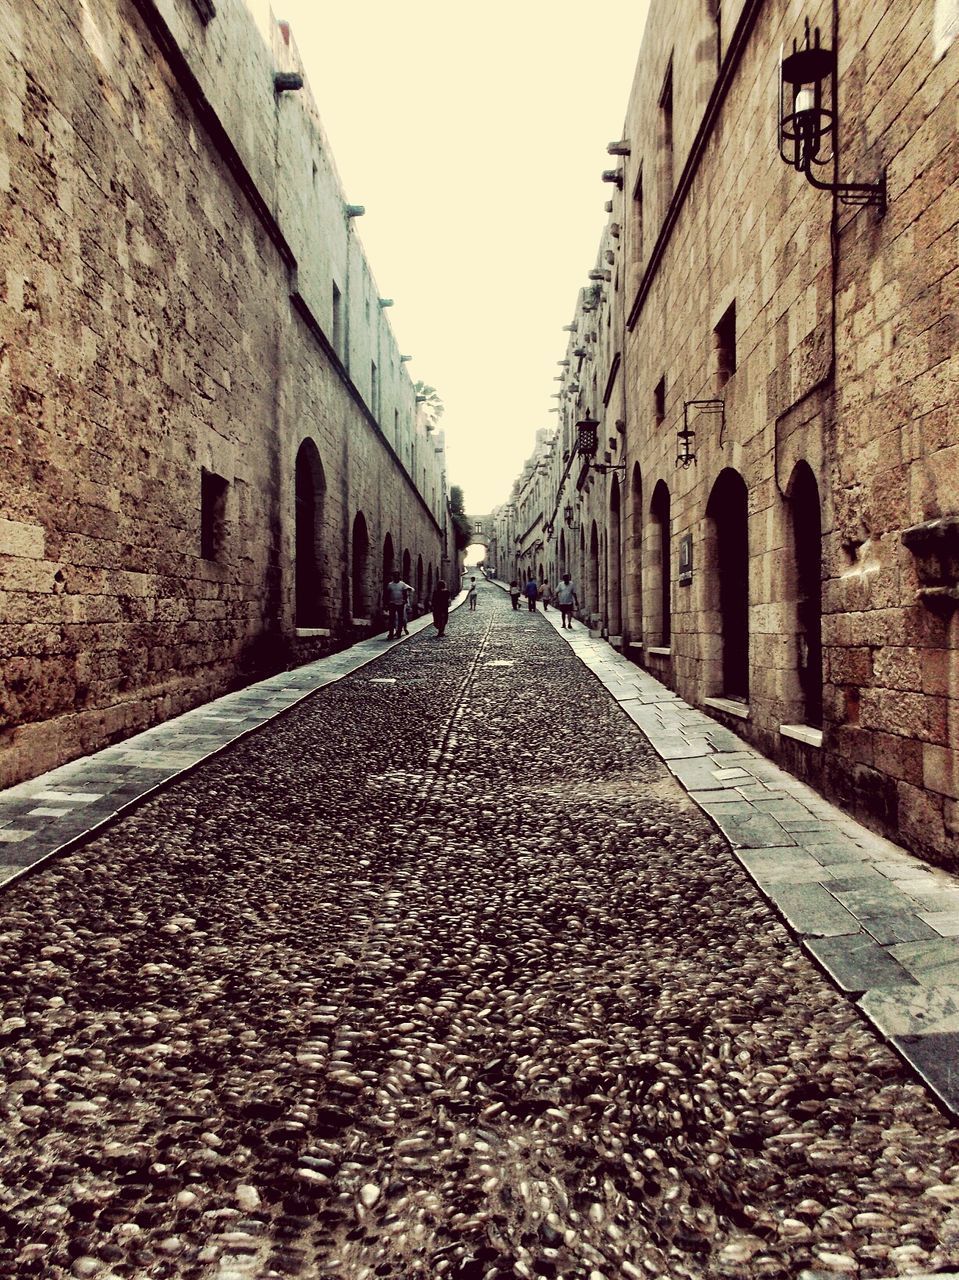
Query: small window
(374,390)
(659,401)
(637,254)
(213,490)
(724,346)
(337,320)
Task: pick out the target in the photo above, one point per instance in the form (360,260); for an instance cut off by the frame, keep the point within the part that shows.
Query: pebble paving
(442,974)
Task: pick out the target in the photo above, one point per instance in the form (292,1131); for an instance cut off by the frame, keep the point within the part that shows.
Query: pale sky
(475,136)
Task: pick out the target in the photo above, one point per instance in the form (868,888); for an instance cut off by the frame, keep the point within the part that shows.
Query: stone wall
(174,229)
(817,615)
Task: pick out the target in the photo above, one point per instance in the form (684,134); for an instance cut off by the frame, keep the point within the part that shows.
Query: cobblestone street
(378,992)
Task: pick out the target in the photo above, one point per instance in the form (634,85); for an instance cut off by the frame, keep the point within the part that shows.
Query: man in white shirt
(396,594)
(566,600)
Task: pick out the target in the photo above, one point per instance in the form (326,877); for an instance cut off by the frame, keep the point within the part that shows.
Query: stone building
(761,504)
(210,445)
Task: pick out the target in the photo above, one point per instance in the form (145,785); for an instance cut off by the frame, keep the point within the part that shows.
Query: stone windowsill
(802,733)
(660,651)
(616,641)
(730,706)
(360,622)
(635,644)
(305,633)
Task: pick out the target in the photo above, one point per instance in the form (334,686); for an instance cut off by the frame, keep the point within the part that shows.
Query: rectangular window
(659,401)
(396,425)
(213,490)
(374,390)
(724,347)
(337,321)
(666,135)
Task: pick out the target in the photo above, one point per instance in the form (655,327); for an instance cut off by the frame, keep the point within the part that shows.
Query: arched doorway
(806,589)
(310,492)
(614,612)
(592,573)
(359,568)
(389,558)
(660,569)
(562,567)
(419,581)
(429,584)
(634,557)
(727,564)
(407,571)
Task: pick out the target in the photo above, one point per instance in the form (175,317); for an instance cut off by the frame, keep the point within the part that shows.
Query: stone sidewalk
(46,815)
(882,923)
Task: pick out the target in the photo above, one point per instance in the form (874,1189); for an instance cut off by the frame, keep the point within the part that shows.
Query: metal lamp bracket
(686,452)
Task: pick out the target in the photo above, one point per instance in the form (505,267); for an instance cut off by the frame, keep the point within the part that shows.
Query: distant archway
(359,568)
(310,493)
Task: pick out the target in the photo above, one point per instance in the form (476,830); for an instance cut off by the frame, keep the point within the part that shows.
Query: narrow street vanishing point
(379,992)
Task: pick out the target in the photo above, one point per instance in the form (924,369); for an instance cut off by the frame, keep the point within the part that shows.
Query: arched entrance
(407,571)
(592,573)
(727,564)
(388,560)
(359,569)
(634,558)
(806,521)
(660,569)
(310,491)
(614,613)
(419,581)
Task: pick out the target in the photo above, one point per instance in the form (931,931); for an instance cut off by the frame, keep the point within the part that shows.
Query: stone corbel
(935,545)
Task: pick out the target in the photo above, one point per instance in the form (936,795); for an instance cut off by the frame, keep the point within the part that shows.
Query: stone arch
(804,590)
(634,556)
(407,571)
(419,580)
(541,577)
(592,573)
(659,569)
(360,568)
(727,577)
(614,613)
(389,558)
(309,504)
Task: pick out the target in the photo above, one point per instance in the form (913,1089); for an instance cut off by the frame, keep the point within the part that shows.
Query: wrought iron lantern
(808,122)
(587,437)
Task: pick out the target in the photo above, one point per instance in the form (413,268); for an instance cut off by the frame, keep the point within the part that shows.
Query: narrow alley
(380,992)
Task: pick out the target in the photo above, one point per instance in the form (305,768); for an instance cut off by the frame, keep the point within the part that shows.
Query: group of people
(398,595)
(564,597)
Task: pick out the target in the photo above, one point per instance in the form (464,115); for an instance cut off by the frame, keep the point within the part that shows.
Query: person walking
(545,594)
(440,605)
(531,590)
(514,593)
(566,601)
(396,593)
(471,595)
